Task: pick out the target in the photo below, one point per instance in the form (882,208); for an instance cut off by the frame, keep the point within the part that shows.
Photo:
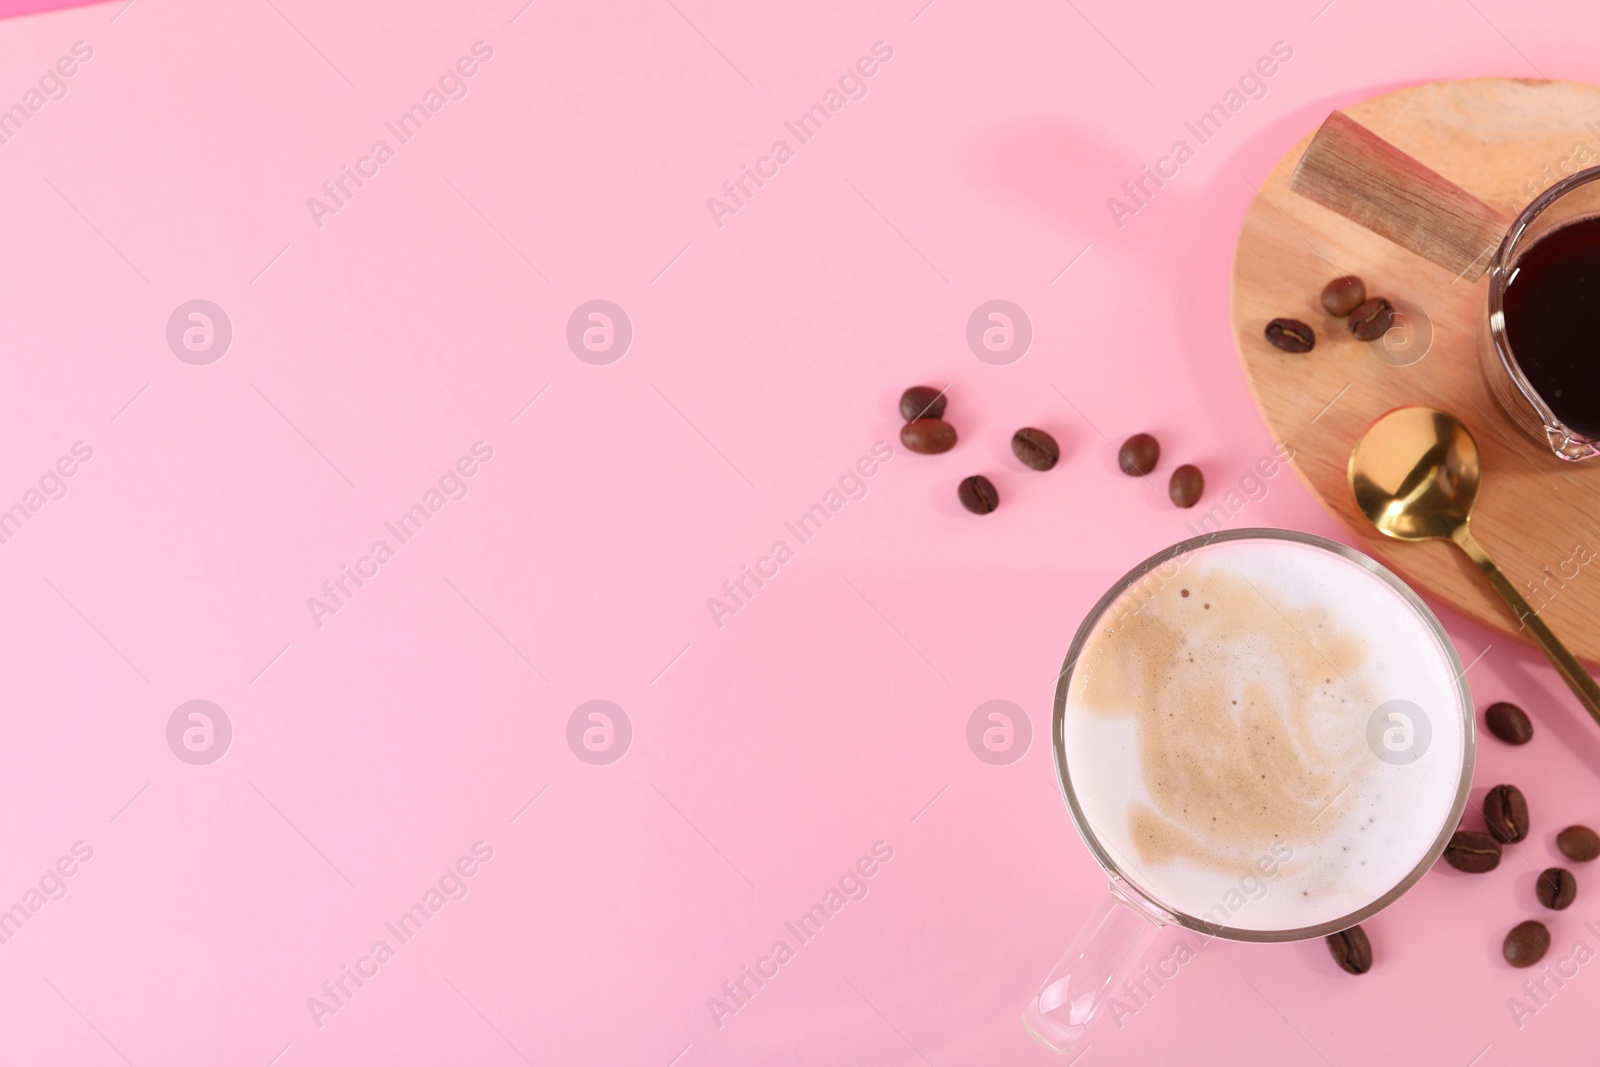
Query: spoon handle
(1577,678)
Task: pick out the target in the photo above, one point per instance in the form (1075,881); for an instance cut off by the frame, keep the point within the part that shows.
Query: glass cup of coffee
(1538,343)
(1261,735)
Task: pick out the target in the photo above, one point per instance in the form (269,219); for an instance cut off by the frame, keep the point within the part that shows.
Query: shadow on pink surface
(15,8)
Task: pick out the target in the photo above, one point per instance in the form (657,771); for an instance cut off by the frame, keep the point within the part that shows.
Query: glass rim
(1564,440)
(1120,877)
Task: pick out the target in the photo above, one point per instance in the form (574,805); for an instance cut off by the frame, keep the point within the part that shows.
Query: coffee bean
(1138,455)
(1557,888)
(1526,944)
(1505,809)
(1343,295)
(1035,448)
(1351,950)
(1472,852)
(1291,335)
(922,402)
(928,436)
(1372,319)
(1578,843)
(1509,723)
(1186,485)
(977,495)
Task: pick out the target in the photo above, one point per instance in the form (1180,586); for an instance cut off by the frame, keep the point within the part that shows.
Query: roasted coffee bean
(1472,852)
(1291,335)
(928,436)
(1557,888)
(1509,723)
(922,402)
(1035,448)
(1578,843)
(1351,950)
(977,495)
(1526,944)
(1186,485)
(1343,295)
(1372,319)
(1505,809)
(1138,455)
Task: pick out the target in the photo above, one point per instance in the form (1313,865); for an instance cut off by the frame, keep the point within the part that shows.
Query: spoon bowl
(1415,474)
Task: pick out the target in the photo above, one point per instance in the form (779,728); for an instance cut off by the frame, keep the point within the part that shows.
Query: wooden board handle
(1353,171)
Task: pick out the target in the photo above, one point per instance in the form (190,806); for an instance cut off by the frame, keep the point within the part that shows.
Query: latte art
(1222,712)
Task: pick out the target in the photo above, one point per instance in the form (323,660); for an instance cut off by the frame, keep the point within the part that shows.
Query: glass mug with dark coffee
(1538,346)
(1261,735)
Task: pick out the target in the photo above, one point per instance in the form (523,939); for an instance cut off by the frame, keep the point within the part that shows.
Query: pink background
(768,754)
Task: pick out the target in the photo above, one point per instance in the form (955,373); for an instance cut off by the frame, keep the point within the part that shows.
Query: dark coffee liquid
(1552,309)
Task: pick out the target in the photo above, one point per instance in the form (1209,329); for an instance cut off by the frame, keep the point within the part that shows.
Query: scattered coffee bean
(1351,950)
(1526,944)
(1505,809)
(1291,335)
(1557,888)
(977,495)
(1472,852)
(1509,723)
(922,402)
(1578,843)
(928,436)
(1035,448)
(1138,455)
(1372,319)
(1186,485)
(1343,295)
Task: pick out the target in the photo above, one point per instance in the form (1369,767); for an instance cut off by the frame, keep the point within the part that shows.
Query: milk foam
(1220,751)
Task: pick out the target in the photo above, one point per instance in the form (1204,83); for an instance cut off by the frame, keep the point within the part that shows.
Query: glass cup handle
(1108,945)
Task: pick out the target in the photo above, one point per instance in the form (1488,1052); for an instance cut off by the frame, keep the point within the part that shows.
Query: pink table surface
(377,745)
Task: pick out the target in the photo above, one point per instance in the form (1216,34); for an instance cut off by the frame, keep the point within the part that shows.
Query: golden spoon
(1415,474)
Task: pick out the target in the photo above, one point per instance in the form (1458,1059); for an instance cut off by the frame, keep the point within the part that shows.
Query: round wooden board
(1536,515)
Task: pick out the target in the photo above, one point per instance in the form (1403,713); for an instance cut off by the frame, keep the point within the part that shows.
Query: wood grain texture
(1363,177)
(1538,516)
